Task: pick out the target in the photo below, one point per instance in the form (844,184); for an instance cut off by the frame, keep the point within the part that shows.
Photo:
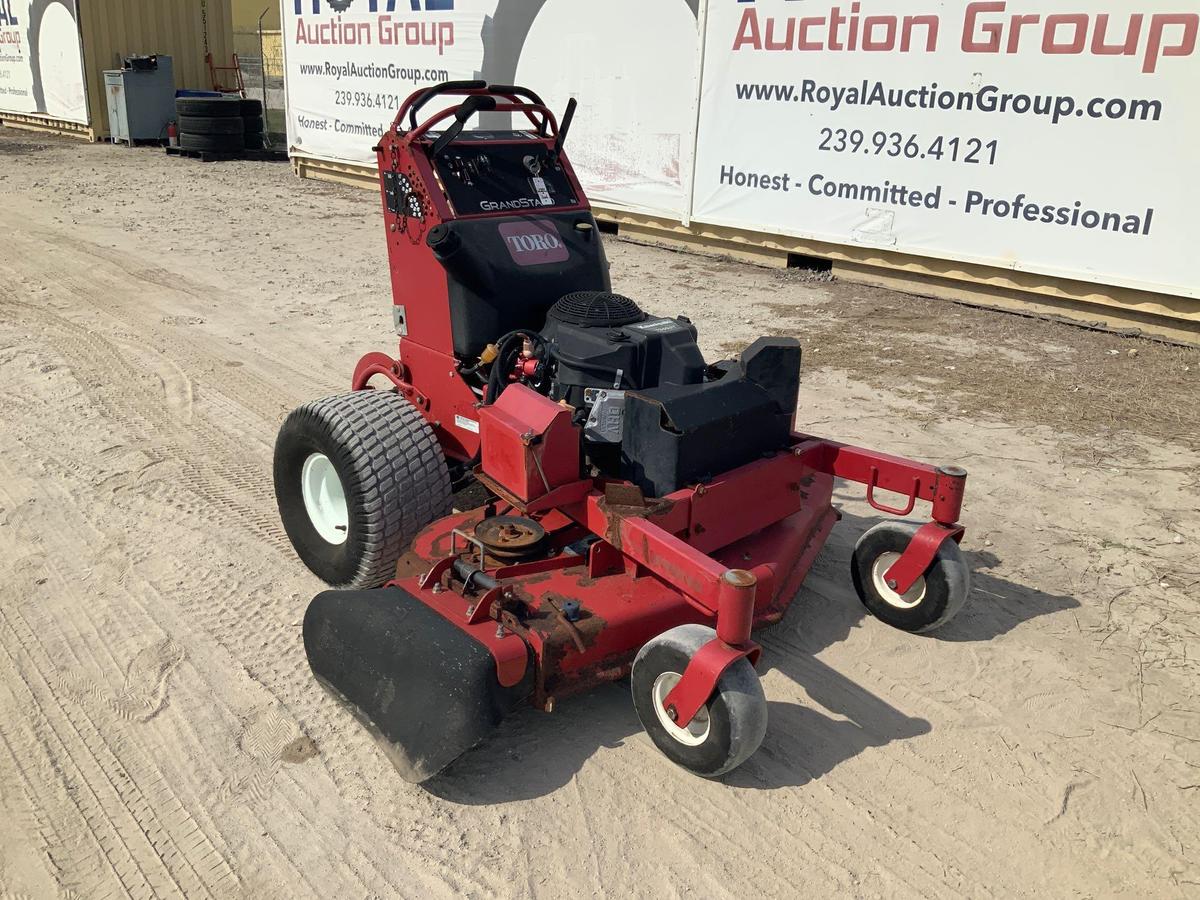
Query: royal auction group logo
(371,6)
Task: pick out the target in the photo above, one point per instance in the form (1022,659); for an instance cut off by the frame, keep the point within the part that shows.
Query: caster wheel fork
(725,732)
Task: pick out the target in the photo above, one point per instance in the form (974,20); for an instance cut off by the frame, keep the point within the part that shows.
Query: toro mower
(643,510)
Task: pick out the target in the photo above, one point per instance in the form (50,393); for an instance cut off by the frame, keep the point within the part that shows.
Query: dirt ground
(160,734)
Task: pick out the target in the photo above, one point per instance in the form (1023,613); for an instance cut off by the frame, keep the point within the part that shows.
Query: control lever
(470,106)
(563,127)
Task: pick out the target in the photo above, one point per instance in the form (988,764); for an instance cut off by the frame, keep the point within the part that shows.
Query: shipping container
(54,77)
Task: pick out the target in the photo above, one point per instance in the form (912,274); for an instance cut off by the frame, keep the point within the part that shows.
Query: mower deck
(615,571)
(621,603)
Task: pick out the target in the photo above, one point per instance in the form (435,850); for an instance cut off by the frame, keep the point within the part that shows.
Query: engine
(602,342)
(652,410)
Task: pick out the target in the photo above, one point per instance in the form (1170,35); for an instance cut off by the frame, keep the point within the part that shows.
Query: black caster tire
(210,124)
(936,598)
(725,732)
(357,476)
(212,107)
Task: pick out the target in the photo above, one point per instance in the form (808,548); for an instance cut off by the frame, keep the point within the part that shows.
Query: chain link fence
(260,55)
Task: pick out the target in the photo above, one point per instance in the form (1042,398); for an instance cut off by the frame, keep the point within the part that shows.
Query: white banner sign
(351,63)
(1057,137)
(41,64)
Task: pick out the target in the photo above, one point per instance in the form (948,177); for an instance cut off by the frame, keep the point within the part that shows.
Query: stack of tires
(252,124)
(219,124)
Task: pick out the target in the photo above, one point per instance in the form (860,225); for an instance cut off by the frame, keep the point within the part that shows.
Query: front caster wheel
(725,732)
(933,600)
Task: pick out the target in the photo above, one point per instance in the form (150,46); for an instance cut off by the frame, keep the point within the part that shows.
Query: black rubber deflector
(425,688)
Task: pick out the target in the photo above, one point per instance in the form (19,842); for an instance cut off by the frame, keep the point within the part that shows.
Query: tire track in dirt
(143,677)
(105,280)
(67,862)
(274,658)
(204,585)
(62,575)
(108,725)
(152,848)
(168,282)
(278,647)
(212,460)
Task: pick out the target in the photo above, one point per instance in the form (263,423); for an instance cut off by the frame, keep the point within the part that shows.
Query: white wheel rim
(696,732)
(324,499)
(910,598)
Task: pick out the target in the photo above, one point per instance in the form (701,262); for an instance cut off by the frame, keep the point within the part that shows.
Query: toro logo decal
(533,242)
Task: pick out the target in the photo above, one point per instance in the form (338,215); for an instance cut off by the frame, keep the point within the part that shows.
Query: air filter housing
(595,309)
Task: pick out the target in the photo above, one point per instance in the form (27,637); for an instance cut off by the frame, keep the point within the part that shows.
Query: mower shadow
(804,742)
(533,754)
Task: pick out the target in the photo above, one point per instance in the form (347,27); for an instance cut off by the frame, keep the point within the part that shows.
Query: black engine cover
(504,274)
(645,353)
(676,435)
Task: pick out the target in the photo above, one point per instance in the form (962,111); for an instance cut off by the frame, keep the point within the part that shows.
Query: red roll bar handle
(511,93)
(470,109)
(421,96)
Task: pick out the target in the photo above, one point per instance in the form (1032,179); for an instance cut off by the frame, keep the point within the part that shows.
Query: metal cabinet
(141,99)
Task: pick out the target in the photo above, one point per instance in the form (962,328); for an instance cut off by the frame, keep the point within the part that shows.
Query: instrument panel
(480,175)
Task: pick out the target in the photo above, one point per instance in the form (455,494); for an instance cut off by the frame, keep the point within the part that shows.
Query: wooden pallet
(215,156)
(138,142)
(47,125)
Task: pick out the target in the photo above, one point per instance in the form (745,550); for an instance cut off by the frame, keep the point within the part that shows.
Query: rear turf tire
(725,732)
(375,476)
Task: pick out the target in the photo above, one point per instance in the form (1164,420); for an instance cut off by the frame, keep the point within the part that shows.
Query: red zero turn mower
(648,509)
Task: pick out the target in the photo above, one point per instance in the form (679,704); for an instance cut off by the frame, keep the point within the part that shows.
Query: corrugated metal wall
(113,29)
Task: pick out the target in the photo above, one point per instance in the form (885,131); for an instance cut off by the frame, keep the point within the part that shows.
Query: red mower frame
(618,569)
(730,553)
(637,539)
(419,284)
